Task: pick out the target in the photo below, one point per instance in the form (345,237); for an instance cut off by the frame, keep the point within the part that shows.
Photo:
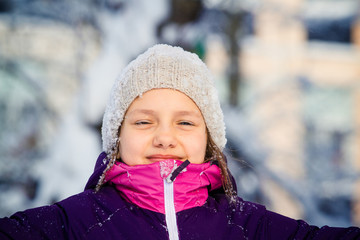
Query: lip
(161,157)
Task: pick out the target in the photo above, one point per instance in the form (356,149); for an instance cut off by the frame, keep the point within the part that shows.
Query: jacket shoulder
(47,222)
(73,217)
(253,221)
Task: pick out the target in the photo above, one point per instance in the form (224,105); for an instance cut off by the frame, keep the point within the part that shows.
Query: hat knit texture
(164,66)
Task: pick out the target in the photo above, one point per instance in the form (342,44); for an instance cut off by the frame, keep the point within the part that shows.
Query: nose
(165,138)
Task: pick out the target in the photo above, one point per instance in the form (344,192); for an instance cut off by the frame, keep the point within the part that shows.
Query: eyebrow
(178,113)
(145,111)
(189,113)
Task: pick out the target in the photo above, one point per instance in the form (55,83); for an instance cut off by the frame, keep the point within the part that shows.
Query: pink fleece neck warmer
(143,185)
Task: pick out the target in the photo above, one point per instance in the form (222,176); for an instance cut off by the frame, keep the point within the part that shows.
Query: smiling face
(162,124)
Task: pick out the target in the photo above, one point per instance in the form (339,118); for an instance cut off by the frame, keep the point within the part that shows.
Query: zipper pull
(177,171)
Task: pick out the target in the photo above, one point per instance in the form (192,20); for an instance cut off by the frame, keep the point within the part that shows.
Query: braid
(112,157)
(213,153)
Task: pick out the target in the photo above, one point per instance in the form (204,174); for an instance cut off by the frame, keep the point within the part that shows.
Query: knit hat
(164,66)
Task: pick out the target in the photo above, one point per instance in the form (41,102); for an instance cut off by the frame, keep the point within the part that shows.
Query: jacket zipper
(170,213)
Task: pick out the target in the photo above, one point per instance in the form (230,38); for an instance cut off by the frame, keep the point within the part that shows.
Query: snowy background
(287,74)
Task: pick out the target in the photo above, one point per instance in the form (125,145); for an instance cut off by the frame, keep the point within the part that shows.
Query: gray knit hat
(164,66)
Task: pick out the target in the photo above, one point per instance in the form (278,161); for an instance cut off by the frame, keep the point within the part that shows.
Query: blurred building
(300,71)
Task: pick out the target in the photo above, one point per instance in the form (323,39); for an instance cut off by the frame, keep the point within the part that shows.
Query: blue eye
(141,123)
(186,123)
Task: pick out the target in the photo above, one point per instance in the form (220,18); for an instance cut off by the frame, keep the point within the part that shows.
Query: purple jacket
(107,215)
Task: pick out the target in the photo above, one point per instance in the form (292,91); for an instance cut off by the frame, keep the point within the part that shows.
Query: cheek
(130,147)
(128,152)
(196,148)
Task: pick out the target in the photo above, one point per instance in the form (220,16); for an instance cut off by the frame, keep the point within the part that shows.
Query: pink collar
(143,185)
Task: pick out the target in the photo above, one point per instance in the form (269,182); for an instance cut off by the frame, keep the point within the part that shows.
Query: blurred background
(288,75)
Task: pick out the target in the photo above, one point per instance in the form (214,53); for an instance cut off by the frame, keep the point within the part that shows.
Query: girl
(162,174)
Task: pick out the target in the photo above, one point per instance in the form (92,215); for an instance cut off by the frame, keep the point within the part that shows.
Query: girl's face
(162,124)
